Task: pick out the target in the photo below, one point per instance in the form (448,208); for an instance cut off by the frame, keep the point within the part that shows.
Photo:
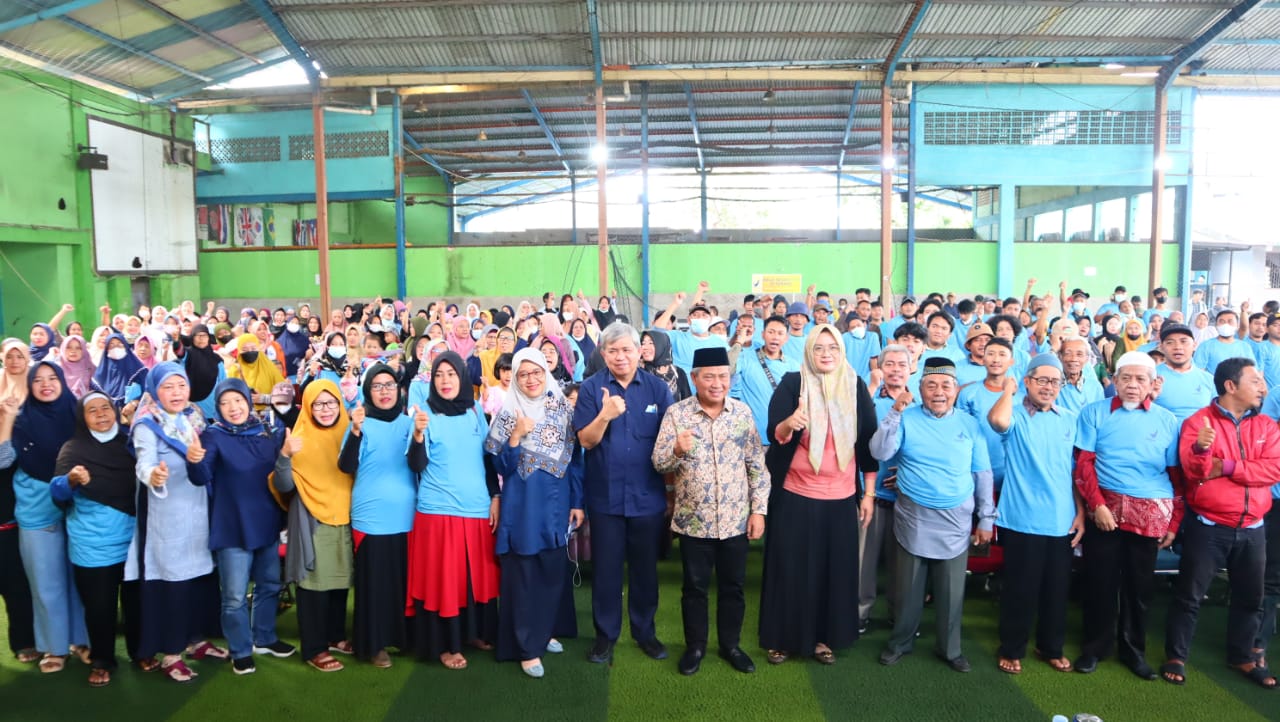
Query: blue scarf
(43,427)
(177,430)
(252,426)
(113,376)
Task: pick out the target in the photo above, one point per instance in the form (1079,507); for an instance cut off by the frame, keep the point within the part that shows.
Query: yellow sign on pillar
(772,283)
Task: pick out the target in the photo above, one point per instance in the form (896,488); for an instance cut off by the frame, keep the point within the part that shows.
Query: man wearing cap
(1128,475)
(973,369)
(699,335)
(711,445)
(822,312)
(1214,351)
(1079,305)
(1231,457)
(1184,387)
(1080,387)
(861,349)
(798,326)
(944,475)
(1040,515)
(977,399)
(907,313)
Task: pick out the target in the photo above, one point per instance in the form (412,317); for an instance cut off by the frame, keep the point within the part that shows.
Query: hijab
(252,425)
(110,463)
(51,342)
(464,401)
(113,376)
(1129,343)
(585,344)
(1107,335)
(325,490)
(179,429)
(202,365)
(662,359)
(560,373)
(153,340)
(42,427)
(79,373)
(327,362)
(550,445)
(14,385)
(99,334)
(461,345)
(370,409)
(424,363)
(262,375)
(488,357)
(831,399)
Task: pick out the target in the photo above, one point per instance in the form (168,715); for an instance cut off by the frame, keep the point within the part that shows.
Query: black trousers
(1270,578)
(1119,580)
(1037,574)
(16,593)
(322,619)
(728,559)
(99,588)
(1205,550)
(631,541)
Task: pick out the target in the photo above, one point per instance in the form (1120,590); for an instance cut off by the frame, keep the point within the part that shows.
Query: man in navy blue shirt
(617,416)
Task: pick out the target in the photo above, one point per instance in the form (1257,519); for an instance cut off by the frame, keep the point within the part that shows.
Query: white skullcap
(1136,358)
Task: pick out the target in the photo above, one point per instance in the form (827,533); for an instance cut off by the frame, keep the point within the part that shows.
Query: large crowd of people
(446,466)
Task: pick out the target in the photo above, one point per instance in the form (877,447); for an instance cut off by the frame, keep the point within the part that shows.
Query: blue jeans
(236,567)
(59,616)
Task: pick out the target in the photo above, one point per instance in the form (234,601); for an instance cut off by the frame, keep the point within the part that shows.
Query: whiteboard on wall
(144,204)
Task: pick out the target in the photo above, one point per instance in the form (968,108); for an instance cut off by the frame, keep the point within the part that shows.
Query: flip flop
(343,647)
(82,652)
(458,662)
(1259,675)
(1174,672)
(1059,664)
(178,672)
(1009,666)
(99,678)
(27,656)
(325,662)
(51,663)
(207,649)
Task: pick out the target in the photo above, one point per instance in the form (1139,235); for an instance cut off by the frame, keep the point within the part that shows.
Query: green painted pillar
(1004,240)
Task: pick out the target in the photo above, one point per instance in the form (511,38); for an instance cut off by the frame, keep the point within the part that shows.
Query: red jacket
(1250,455)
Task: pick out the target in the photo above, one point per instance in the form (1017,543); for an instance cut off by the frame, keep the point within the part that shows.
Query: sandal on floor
(27,656)
(1259,675)
(207,649)
(458,662)
(178,672)
(1059,664)
(824,656)
(1010,666)
(51,663)
(82,652)
(100,678)
(481,645)
(147,664)
(1260,657)
(381,660)
(343,647)
(1174,672)
(325,662)
(777,656)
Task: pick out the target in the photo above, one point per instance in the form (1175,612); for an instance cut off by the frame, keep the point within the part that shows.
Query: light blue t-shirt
(454,481)
(97,535)
(1134,448)
(951,353)
(968,372)
(977,400)
(751,386)
(859,352)
(33,507)
(1072,398)
(382,500)
(1148,314)
(683,344)
(1038,495)
(961,332)
(938,457)
(1267,356)
(794,348)
(1271,408)
(1184,392)
(1214,351)
(883,404)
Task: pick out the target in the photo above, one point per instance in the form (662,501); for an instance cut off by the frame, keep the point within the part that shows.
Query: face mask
(1161,299)
(105,436)
(1119,297)
(1078,307)
(1226,330)
(337,352)
(116,354)
(281,408)
(859,332)
(375,327)
(476,333)
(249,356)
(699,326)
(224,340)
(568,315)
(1134,336)
(293,327)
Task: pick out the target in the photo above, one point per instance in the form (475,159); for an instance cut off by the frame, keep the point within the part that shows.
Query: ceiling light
(1141,74)
(1162,162)
(888,162)
(599,153)
(1113,66)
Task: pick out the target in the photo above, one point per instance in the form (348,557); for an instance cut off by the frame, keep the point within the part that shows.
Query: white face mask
(117,354)
(859,331)
(699,326)
(476,333)
(281,408)
(1226,330)
(1119,297)
(1078,307)
(337,352)
(375,327)
(293,327)
(568,315)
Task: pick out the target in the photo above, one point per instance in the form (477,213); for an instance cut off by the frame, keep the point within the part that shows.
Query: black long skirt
(532,606)
(434,635)
(175,614)
(809,590)
(381,581)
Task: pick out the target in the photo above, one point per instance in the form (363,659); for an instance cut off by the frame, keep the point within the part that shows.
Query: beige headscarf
(831,400)
(14,386)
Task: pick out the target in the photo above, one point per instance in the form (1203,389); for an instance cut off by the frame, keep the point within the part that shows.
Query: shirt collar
(1032,409)
(1230,415)
(1116,403)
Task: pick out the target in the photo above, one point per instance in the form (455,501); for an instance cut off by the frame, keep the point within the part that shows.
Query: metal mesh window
(368,144)
(1048,127)
(263,149)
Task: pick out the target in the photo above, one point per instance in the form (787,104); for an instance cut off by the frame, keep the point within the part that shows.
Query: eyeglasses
(826,350)
(324,405)
(526,375)
(385,386)
(1045,381)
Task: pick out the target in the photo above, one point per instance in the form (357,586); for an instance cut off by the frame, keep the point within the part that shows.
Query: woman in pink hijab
(459,337)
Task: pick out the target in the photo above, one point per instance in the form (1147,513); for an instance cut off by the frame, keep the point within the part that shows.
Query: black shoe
(1086,664)
(863,626)
(275,649)
(889,657)
(601,652)
(691,660)
(738,659)
(653,648)
(244,665)
(1143,670)
(959,664)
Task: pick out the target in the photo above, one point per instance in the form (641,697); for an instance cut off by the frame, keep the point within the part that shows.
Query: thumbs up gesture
(195,452)
(357,418)
(159,475)
(419,421)
(292,445)
(612,407)
(78,476)
(800,419)
(524,426)
(684,443)
(1206,436)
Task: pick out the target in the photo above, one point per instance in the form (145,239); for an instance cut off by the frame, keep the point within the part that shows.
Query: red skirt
(452,564)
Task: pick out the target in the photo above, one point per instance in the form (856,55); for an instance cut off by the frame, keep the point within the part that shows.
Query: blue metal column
(397,134)
(1004,242)
(838,175)
(1184,221)
(702,196)
(911,196)
(644,203)
(573,206)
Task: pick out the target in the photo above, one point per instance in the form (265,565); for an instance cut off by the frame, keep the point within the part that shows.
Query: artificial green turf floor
(635,687)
